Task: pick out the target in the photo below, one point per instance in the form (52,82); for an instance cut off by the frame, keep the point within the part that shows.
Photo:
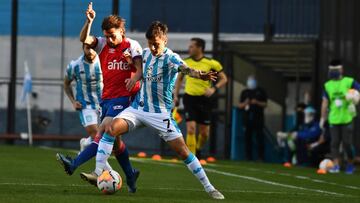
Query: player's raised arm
(85,31)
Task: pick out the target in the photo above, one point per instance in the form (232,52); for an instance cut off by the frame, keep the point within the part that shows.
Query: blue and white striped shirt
(159,77)
(89,81)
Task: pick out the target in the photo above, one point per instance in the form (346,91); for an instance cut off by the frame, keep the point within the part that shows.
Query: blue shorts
(112,107)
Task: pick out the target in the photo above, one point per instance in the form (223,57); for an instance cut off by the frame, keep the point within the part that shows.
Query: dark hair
(113,21)
(199,42)
(335,62)
(156,29)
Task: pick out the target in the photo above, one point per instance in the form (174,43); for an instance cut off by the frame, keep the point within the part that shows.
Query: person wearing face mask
(301,141)
(339,112)
(299,115)
(253,101)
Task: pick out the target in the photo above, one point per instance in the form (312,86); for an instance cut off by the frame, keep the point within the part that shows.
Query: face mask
(251,84)
(334,74)
(308,118)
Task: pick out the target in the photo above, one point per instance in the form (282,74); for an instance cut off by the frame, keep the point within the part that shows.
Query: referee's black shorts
(198,109)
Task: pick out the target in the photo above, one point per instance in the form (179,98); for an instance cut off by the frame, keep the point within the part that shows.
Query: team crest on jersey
(149,72)
(111,50)
(150,77)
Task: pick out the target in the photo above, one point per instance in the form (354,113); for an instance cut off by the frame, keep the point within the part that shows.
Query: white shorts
(89,116)
(162,122)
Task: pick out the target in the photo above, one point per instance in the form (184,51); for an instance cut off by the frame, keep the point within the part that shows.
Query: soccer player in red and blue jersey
(121,65)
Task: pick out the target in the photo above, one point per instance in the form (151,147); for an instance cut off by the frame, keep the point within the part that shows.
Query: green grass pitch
(34,175)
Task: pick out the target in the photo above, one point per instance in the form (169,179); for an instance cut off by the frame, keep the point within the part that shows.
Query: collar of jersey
(197,60)
(164,52)
(84,60)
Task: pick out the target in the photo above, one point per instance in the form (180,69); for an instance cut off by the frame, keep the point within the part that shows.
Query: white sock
(85,142)
(104,151)
(107,166)
(197,170)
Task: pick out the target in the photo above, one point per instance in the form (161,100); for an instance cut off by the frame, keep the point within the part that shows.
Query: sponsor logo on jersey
(118,107)
(118,65)
(152,78)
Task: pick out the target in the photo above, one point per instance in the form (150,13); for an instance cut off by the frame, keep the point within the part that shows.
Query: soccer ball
(353,96)
(109,182)
(326,164)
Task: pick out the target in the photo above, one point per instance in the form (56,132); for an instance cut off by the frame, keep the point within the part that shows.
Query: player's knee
(118,127)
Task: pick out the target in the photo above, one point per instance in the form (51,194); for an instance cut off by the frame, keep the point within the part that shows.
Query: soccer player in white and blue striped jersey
(153,103)
(86,72)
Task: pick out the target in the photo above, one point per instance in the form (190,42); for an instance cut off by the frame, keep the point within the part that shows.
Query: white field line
(239,191)
(288,175)
(163,188)
(275,183)
(245,177)
(304,178)
(252,169)
(45,184)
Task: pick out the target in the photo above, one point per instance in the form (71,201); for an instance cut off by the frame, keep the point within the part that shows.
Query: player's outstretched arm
(85,31)
(179,81)
(197,74)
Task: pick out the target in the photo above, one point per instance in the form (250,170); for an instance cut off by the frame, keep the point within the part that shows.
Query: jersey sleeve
(175,62)
(216,66)
(69,74)
(101,42)
(135,49)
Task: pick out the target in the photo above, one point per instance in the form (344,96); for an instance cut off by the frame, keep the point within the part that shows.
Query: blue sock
(125,164)
(88,153)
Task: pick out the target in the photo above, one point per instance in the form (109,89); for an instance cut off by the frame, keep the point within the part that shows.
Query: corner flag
(27,87)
